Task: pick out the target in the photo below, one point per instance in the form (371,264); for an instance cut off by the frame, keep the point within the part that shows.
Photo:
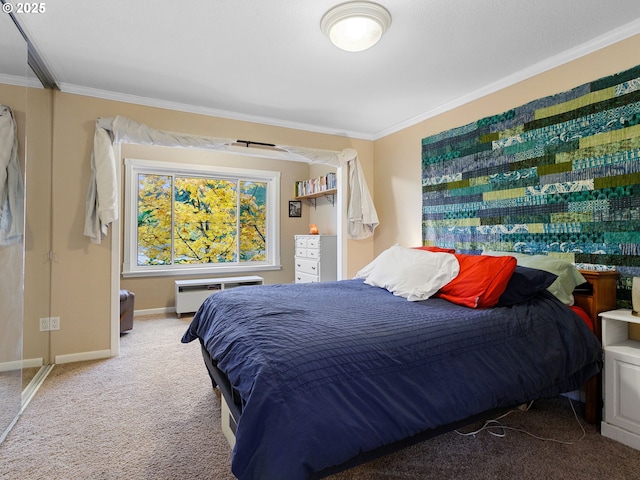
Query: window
(183,218)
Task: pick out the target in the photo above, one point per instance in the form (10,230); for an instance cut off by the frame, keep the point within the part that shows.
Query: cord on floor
(497,429)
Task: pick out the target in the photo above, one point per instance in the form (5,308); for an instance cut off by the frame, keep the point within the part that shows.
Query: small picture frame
(295,208)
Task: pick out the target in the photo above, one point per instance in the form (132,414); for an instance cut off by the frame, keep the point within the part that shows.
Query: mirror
(25,265)
(13,67)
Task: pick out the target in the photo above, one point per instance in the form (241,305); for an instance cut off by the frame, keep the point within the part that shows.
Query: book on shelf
(311,186)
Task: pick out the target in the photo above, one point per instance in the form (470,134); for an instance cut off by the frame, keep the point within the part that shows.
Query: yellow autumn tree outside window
(200,220)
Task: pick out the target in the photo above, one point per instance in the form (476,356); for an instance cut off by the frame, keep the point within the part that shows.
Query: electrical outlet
(45,324)
(54,323)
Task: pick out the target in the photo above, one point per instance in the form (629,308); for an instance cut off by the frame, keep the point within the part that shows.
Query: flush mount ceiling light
(355,26)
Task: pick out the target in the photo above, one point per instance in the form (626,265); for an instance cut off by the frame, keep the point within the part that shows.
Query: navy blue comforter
(329,370)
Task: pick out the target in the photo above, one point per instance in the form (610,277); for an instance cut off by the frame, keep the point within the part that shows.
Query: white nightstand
(621,378)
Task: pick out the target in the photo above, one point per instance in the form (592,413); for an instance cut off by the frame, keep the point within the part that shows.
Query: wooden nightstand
(621,379)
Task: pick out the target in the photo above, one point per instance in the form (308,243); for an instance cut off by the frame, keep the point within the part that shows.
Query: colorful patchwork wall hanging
(558,176)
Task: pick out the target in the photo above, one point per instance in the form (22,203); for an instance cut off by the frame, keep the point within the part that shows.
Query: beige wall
(81,271)
(397,160)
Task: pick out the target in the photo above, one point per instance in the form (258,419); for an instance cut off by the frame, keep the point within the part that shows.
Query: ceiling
(267,61)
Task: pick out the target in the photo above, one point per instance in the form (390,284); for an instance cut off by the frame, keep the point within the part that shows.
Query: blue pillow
(524,284)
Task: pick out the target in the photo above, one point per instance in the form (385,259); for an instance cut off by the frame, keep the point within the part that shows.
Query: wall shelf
(314,188)
(312,198)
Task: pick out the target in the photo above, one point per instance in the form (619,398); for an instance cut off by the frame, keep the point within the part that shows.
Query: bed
(316,378)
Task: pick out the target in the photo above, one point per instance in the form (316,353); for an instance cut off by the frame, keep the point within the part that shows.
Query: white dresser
(316,258)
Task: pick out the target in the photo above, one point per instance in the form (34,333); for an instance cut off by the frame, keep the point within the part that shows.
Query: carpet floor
(151,414)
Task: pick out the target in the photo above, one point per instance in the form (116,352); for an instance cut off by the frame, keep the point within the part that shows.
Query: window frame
(133,167)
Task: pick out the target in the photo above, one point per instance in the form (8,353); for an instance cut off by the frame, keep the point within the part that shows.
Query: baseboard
(83,356)
(32,363)
(11,366)
(20,364)
(153,311)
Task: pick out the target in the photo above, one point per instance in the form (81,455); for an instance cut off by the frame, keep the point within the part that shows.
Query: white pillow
(413,274)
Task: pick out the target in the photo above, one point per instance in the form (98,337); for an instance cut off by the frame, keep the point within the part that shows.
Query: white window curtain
(102,199)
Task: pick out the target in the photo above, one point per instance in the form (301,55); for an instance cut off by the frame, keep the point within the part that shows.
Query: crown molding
(211,112)
(20,81)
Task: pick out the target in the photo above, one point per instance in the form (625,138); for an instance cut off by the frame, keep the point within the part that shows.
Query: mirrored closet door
(24,244)
(13,99)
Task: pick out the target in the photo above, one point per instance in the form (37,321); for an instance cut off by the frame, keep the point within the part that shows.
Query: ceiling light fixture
(355,26)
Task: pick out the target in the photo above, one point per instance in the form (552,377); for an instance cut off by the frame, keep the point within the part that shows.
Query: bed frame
(596,296)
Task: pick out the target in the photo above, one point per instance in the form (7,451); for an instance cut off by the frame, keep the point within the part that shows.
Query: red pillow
(436,249)
(481,281)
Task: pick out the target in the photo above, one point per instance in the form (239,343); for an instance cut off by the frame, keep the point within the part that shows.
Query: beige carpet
(152,414)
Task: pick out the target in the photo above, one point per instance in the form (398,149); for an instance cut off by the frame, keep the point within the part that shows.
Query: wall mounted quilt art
(559,176)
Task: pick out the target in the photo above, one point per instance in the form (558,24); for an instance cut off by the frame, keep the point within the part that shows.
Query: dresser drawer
(307,266)
(307,253)
(313,253)
(306,278)
(313,242)
(308,241)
